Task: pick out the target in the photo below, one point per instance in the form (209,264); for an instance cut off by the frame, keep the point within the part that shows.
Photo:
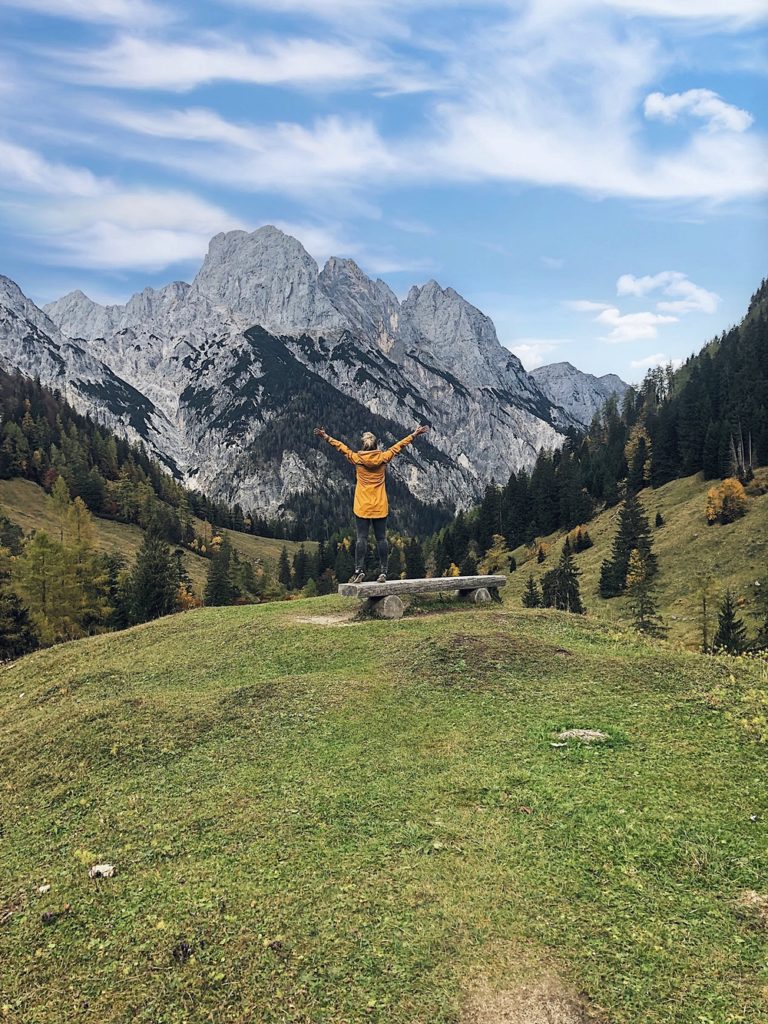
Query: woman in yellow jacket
(371,505)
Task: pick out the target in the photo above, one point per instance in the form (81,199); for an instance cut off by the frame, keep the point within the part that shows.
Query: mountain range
(223,378)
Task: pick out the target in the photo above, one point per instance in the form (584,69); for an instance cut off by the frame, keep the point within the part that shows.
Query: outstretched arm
(338,445)
(396,448)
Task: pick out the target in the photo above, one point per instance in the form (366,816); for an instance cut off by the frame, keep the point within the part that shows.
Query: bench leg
(389,607)
(480,596)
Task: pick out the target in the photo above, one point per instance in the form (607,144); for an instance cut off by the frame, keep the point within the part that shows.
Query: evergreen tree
(642,601)
(414,560)
(560,586)
(300,568)
(468,565)
(532,594)
(731,635)
(344,563)
(284,569)
(659,520)
(396,566)
(18,635)
(153,582)
(220,588)
(633,533)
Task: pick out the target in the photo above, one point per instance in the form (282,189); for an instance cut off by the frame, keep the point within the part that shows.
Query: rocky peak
(369,307)
(269,278)
(457,335)
(582,394)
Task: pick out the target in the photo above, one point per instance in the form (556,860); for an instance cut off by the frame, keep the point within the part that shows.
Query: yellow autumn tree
(727,502)
(637,434)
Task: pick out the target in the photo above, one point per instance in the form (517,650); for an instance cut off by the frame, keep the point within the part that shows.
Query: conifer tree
(300,568)
(18,635)
(532,594)
(344,563)
(560,586)
(414,560)
(642,602)
(220,588)
(396,567)
(284,569)
(633,533)
(731,635)
(468,565)
(153,582)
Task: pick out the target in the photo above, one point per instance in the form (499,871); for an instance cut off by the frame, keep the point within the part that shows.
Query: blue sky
(590,173)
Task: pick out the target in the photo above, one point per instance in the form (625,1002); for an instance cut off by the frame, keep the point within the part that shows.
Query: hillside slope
(317,820)
(687,548)
(27,505)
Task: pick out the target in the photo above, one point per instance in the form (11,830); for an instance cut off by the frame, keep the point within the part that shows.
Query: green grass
(735,555)
(27,505)
(321,823)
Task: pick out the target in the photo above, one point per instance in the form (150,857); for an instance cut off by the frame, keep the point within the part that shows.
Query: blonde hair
(369,441)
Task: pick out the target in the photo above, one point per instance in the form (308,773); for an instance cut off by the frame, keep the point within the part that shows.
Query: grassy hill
(27,504)
(734,555)
(316,820)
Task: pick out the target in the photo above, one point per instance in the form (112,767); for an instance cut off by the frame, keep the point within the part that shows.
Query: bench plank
(430,586)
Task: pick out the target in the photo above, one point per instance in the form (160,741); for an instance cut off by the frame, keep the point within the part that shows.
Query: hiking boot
(382,578)
(358,576)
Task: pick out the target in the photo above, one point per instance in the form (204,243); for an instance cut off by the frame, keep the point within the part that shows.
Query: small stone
(584,735)
(44,889)
(101,871)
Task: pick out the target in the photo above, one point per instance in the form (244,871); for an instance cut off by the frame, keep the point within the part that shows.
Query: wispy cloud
(687,296)
(128,12)
(84,220)
(133,62)
(28,171)
(332,153)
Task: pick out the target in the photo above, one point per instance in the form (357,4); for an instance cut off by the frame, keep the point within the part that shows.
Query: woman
(371,505)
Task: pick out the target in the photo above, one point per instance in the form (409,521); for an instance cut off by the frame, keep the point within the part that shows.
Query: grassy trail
(353,822)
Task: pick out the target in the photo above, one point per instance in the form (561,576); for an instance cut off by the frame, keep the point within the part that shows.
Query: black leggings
(361,546)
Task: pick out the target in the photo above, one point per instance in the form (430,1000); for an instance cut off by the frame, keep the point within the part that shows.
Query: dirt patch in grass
(754,907)
(341,619)
(544,1001)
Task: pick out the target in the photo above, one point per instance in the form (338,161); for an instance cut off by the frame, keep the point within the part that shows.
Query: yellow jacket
(370,467)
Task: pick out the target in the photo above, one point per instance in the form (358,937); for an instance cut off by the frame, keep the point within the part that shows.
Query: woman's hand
(420,430)
(320,432)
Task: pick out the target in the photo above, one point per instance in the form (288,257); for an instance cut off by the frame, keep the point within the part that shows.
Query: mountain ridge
(189,350)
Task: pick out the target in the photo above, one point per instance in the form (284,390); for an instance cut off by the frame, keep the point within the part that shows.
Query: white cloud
(735,11)
(631,326)
(87,221)
(129,12)
(688,297)
(553,262)
(586,306)
(331,153)
(558,102)
(657,359)
(26,170)
(701,103)
(533,352)
(144,63)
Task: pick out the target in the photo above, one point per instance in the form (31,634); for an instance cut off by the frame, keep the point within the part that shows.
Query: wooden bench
(383,599)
